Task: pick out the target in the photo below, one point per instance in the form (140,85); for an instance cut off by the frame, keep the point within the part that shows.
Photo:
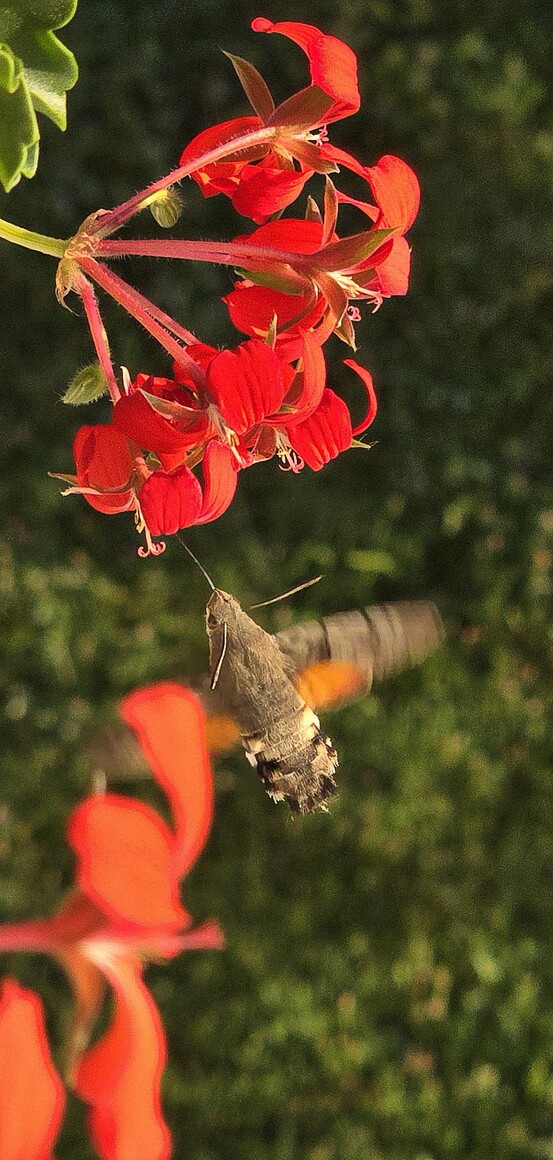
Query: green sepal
(350,251)
(304,110)
(254,86)
(89,384)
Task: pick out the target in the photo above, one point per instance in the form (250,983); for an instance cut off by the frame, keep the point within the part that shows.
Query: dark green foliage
(386,992)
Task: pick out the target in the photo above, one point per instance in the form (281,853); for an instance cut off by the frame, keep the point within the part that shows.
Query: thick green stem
(56,247)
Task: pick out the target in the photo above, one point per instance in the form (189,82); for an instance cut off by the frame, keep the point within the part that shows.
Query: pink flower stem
(224,253)
(99,336)
(26,936)
(115,218)
(119,290)
(154,311)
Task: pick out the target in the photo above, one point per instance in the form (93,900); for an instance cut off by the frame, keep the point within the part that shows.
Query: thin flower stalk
(99,336)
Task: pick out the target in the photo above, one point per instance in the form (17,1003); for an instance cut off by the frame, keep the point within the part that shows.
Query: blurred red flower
(125,909)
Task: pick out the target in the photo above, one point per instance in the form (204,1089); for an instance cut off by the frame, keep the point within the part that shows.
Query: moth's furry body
(280,733)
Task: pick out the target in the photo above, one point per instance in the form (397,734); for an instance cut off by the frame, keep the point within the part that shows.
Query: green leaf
(35,72)
(87,385)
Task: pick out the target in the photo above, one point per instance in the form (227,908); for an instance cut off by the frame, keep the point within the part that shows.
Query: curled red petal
(220,480)
(104,460)
(325,434)
(332,64)
(372,405)
(170,501)
(134,416)
(396,190)
(313,380)
(120,1076)
(126,861)
(32,1097)
(170,725)
(246,384)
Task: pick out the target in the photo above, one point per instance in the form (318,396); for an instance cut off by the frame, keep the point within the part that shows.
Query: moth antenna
(196,561)
(290,592)
(219,665)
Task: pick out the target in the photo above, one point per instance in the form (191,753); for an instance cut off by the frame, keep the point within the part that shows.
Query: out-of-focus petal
(246,384)
(103,459)
(396,190)
(89,987)
(325,434)
(126,861)
(120,1076)
(372,404)
(170,501)
(332,63)
(170,725)
(262,191)
(32,1099)
(220,480)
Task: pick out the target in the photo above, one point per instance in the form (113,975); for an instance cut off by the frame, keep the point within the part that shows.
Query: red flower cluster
(124,909)
(299,282)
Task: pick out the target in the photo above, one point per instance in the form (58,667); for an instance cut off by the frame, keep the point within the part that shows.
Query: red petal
(262,191)
(313,384)
(246,384)
(372,404)
(220,480)
(136,418)
(252,309)
(295,234)
(126,861)
(170,500)
(120,1076)
(332,64)
(32,1100)
(392,275)
(325,434)
(222,176)
(104,460)
(396,190)
(170,725)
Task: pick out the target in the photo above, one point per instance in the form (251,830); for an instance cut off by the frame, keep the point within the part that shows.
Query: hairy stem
(99,336)
(113,219)
(119,290)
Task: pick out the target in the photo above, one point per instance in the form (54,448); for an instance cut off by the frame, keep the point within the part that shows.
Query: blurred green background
(387,991)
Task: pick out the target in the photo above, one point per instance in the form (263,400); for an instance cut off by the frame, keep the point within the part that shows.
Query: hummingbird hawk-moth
(263,689)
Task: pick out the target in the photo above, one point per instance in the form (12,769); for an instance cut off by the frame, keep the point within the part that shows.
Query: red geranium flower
(262,180)
(33,1100)
(126,909)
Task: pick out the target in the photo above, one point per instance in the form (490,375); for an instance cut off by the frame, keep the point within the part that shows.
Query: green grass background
(387,991)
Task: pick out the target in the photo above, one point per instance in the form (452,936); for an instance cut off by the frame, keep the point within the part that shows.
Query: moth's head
(222,608)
